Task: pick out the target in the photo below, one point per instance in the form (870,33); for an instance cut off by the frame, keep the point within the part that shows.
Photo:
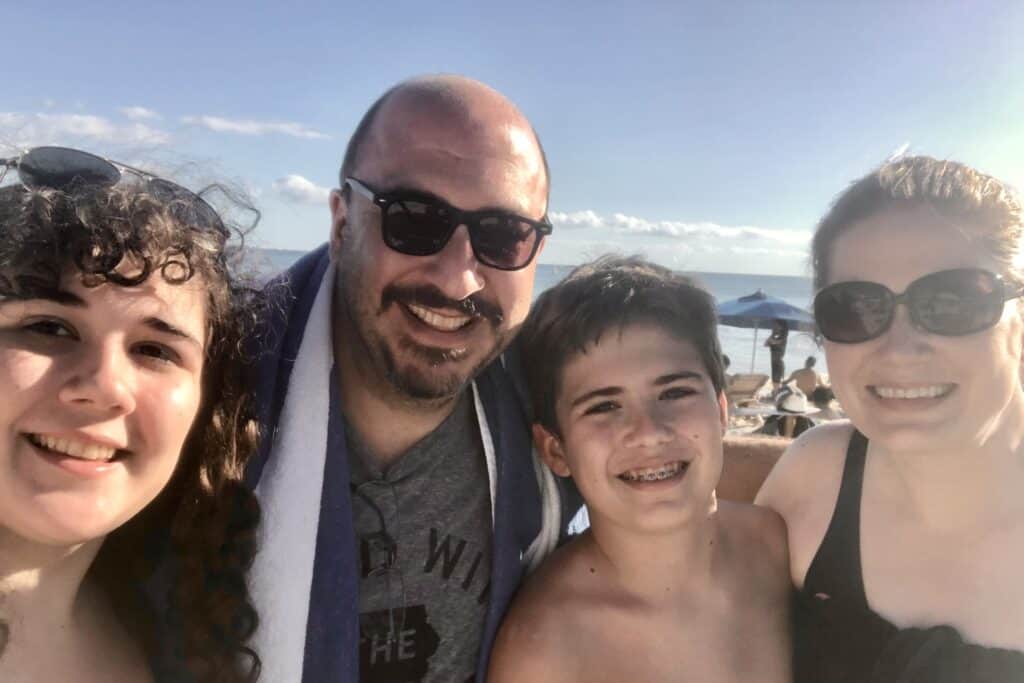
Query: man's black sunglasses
(950,303)
(418,224)
(66,169)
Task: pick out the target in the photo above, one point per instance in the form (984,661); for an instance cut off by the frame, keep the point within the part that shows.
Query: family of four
(365,469)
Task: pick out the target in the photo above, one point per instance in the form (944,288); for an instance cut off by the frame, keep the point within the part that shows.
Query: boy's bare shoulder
(536,638)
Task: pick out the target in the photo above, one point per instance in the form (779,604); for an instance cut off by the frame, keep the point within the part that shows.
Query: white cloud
(27,130)
(249,127)
(702,230)
(295,188)
(576,219)
(762,251)
(139,113)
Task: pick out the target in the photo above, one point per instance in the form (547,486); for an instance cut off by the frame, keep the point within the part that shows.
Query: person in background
(669,583)
(828,408)
(791,417)
(776,343)
(125,427)
(807,378)
(906,524)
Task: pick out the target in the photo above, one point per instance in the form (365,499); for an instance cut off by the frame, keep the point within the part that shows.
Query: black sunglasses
(63,168)
(950,303)
(419,224)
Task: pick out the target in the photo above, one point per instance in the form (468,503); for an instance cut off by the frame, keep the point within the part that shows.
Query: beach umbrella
(759,310)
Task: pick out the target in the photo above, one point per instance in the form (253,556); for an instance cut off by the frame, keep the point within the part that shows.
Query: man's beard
(421,377)
(418,385)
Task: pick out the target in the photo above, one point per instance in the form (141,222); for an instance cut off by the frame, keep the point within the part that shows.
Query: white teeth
(653,473)
(76,449)
(445,323)
(928,391)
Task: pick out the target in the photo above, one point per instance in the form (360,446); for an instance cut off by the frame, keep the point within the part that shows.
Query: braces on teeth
(656,475)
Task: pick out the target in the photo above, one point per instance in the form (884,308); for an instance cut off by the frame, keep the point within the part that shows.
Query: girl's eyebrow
(167,328)
(65,298)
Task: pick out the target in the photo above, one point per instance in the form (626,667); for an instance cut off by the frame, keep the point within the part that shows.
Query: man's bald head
(457,99)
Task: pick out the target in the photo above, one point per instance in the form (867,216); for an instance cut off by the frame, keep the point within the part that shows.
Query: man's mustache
(432,297)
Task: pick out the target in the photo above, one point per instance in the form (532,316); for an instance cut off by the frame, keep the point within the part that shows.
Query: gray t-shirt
(423,529)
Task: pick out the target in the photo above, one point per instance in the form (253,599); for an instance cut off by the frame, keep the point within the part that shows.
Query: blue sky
(709,136)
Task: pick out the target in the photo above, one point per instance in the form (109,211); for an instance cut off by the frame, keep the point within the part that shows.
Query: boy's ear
(550,449)
(723,410)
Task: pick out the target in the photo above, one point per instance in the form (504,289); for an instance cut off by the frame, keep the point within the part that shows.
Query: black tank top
(839,639)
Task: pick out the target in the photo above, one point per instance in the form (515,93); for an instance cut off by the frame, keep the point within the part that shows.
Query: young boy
(668,584)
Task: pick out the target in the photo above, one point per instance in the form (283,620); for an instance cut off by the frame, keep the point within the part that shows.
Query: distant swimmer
(670,583)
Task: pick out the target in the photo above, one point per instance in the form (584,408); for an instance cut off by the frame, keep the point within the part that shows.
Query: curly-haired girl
(124,429)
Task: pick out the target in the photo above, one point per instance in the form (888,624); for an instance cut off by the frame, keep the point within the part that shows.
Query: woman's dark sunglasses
(950,303)
(63,168)
(418,224)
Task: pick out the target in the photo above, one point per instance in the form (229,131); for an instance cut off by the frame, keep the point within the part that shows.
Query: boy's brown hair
(611,292)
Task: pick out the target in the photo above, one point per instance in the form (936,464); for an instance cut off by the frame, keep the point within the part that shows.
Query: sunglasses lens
(61,168)
(185,205)
(415,227)
(956,302)
(851,312)
(504,242)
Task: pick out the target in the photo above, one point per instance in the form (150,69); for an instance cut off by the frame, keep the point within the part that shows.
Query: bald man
(401,501)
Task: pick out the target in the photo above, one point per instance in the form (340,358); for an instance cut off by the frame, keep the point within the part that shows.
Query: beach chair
(746,388)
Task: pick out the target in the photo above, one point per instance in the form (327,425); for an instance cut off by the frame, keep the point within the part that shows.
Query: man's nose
(456,268)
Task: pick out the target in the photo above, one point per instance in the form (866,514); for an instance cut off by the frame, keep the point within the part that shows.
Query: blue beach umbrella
(759,310)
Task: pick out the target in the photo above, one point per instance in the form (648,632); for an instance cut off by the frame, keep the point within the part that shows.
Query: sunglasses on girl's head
(63,168)
(418,224)
(950,303)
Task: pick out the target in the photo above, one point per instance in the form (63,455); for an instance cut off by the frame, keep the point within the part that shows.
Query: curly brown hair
(201,529)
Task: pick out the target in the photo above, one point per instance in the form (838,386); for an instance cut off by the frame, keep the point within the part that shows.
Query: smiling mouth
(443,322)
(660,473)
(73,448)
(911,393)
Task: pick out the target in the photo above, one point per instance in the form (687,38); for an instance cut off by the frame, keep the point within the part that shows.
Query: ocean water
(738,343)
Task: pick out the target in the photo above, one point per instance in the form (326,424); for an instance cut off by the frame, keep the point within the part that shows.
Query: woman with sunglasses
(124,429)
(906,524)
